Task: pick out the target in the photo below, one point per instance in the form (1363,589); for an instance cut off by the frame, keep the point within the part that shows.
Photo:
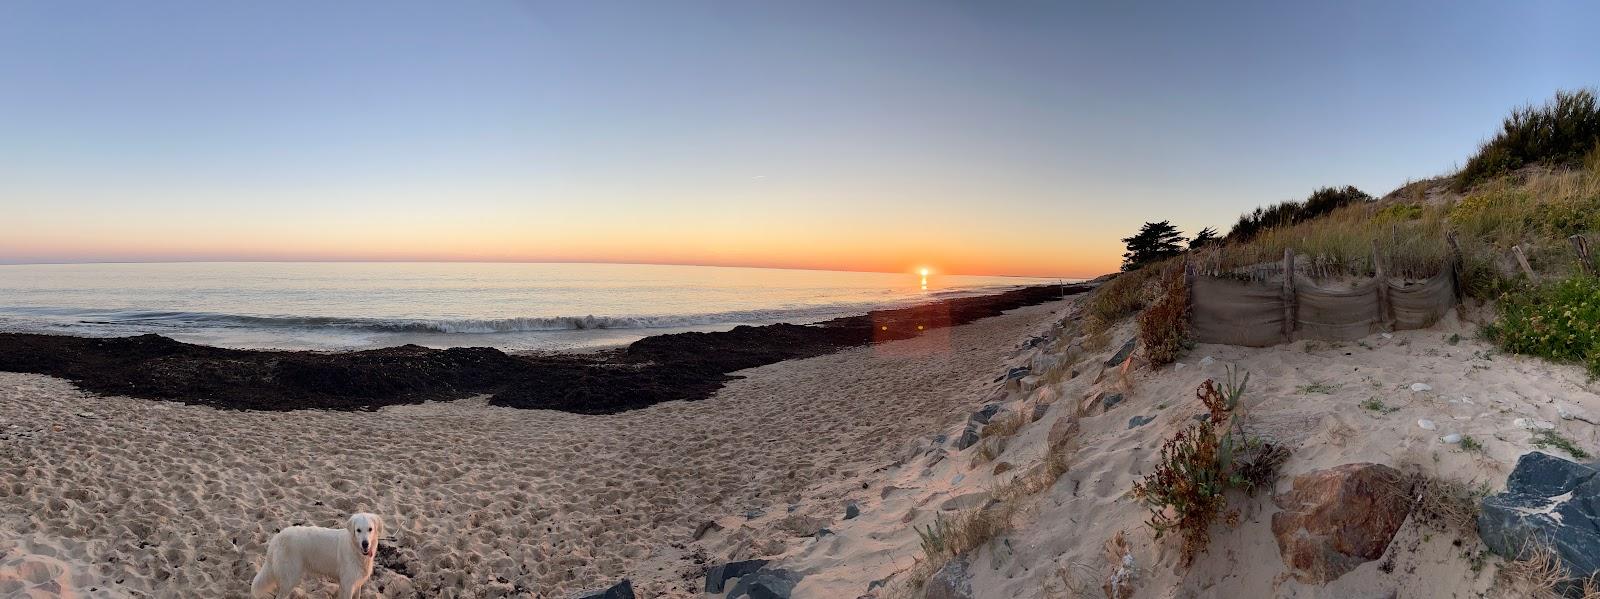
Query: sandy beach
(120,497)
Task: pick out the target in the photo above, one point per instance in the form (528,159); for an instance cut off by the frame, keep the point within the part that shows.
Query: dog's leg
(288,580)
(348,590)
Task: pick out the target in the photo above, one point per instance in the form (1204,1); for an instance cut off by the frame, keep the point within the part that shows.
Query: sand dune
(119,497)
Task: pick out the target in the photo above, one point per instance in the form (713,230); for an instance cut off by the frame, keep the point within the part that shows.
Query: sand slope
(119,497)
(1307,395)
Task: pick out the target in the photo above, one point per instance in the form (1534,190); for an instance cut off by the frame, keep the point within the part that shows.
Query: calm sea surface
(510,306)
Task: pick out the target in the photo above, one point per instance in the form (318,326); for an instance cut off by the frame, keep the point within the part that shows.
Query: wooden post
(1287,295)
(1580,244)
(1385,309)
(1522,259)
(1455,263)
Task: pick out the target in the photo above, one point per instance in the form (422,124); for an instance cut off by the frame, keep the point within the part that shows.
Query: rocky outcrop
(1335,519)
(951,581)
(1547,500)
(1064,429)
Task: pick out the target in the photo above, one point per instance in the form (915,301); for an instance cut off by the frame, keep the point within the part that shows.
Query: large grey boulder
(952,581)
(776,583)
(1551,501)
(717,576)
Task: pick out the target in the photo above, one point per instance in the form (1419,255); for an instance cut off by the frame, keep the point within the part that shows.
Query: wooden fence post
(1455,263)
(1522,259)
(1385,309)
(1287,295)
(1580,244)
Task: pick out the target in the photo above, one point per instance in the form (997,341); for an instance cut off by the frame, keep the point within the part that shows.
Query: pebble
(1179,366)
(1388,336)
(1206,361)
(1420,387)
(1451,438)
(1426,424)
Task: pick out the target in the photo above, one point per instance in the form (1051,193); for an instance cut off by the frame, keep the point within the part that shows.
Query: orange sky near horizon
(855,247)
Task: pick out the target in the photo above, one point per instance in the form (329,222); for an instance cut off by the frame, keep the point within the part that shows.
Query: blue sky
(992,137)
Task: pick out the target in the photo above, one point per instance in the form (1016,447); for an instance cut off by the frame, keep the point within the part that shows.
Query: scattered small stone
(1388,336)
(1420,387)
(952,581)
(851,510)
(706,527)
(984,415)
(1123,353)
(1452,438)
(1426,424)
(1018,372)
(957,480)
(1110,400)
(1179,366)
(1207,361)
(968,437)
(754,513)
(1138,421)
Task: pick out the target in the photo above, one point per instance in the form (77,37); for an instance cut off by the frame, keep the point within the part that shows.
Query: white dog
(341,555)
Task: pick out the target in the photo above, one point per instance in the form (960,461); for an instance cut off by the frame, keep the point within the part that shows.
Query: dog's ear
(377,525)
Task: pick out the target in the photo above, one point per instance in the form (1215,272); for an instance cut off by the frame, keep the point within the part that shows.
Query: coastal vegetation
(1187,490)
(1153,243)
(1560,131)
(1164,326)
(1558,320)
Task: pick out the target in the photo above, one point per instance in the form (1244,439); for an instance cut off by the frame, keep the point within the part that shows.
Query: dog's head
(364,532)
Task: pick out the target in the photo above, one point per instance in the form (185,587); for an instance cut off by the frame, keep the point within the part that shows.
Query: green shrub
(1560,321)
(1321,201)
(1397,212)
(1559,132)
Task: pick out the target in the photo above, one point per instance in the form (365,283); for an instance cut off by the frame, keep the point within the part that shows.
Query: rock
(951,581)
(1110,400)
(706,527)
(1039,410)
(1065,428)
(1018,372)
(754,513)
(1420,387)
(1550,499)
(1122,354)
(621,590)
(957,480)
(717,576)
(851,510)
(1452,438)
(1335,519)
(1002,468)
(1138,421)
(965,502)
(984,415)
(766,584)
(968,437)
(1427,425)
(1207,361)
(1179,366)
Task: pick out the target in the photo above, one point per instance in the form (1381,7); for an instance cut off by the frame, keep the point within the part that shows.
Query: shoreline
(485,499)
(656,369)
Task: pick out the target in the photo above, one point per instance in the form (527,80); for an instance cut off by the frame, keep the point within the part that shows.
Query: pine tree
(1155,241)
(1205,237)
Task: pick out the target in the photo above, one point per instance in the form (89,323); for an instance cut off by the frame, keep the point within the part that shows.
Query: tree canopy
(1153,242)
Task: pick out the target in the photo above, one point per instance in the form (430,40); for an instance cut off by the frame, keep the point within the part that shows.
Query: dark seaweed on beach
(680,366)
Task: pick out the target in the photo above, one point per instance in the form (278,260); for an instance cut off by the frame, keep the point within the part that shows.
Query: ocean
(511,306)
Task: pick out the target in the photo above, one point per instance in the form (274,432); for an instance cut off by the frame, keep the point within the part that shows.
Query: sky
(1018,138)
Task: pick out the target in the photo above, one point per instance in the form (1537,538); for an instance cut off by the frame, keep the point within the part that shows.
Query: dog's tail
(265,583)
